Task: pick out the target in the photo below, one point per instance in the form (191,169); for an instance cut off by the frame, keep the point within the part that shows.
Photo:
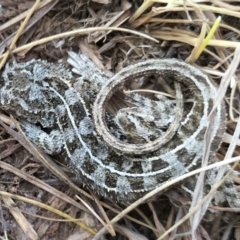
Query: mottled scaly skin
(64,114)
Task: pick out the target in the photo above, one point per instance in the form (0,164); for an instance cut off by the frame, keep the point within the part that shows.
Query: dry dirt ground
(35,203)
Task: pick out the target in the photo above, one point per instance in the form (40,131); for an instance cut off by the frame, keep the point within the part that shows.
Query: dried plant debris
(40,196)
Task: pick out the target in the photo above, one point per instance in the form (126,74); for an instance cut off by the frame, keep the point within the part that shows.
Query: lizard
(124,156)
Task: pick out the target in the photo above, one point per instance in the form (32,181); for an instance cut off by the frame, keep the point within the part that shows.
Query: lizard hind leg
(51,143)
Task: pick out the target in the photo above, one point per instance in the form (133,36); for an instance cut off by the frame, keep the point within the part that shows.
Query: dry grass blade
(19,217)
(195,6)
(232,110)
(108,227)
(114,22)
(22,16)
(194,54)
(148,221)
(157,222)
(34,19)
(228,76)
(104,214)
(202,43)
(227,138)
(174,234)
(19,33)
(49,208)
(176,6)
(40,184)
(75,33)
(181,37)
(130,234)
(197,194)
(146,4)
